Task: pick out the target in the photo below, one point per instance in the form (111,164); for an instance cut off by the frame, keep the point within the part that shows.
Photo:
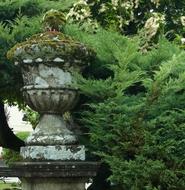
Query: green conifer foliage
(9,9)
(135,116)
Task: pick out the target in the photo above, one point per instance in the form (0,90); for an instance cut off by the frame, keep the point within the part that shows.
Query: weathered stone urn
(48,62)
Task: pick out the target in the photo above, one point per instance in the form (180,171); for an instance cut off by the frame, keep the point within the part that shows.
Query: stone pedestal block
(52,184)
(57,152)
(71,175)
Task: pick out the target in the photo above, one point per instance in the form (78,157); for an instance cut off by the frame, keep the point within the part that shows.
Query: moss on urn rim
(51,47)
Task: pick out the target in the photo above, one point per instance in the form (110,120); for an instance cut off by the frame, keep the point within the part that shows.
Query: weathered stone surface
(46,76)
(52,184)
(49,46)
(51,169)
(39,60)
(58,59)
(58,152)
(27,61)
(51,130)
(50,100)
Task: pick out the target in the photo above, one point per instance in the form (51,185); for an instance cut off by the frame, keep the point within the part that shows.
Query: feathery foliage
(135,115)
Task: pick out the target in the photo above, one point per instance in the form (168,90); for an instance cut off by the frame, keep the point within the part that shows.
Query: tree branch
(7,138)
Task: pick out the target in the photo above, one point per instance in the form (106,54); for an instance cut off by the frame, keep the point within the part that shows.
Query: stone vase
(53,157)
(49,91)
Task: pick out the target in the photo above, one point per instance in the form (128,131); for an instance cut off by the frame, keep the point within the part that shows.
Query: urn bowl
(50,100)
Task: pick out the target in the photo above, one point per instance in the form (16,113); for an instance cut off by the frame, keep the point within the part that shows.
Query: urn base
(51,130)
(54,153)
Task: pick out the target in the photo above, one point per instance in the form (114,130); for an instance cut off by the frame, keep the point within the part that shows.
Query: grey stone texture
(52,184)
(57,152)
(51,130)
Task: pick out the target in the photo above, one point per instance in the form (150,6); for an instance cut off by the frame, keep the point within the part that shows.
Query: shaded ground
(7,181)
(5,186)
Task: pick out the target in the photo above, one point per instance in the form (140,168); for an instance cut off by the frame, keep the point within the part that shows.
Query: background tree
(130,17)
(7,137)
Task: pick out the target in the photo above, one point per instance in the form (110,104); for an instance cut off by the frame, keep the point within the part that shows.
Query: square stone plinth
(53,184)
(55,175)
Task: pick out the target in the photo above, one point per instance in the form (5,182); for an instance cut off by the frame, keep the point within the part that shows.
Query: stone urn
(48,63)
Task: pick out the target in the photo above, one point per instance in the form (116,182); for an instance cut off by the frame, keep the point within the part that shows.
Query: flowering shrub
(130,16)
(153,24)
(81,13)
(112,13)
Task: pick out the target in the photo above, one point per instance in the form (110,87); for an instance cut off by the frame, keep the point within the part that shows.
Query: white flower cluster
(182,18)
(103,8)
(81,2)
(156,2)
(127,5)
(121,21)
(124,11)
(124,7)
(152,25)
(80,11)
(182,41)
(115,2)
(136,4)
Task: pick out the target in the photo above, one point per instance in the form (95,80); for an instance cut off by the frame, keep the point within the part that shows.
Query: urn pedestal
(49,91)
(52,157)
(52,140)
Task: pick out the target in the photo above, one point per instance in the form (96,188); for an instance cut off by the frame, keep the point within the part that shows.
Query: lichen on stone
(49,47)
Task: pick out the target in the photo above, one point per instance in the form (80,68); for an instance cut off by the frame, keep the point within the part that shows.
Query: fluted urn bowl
(48,62)
(50,100)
